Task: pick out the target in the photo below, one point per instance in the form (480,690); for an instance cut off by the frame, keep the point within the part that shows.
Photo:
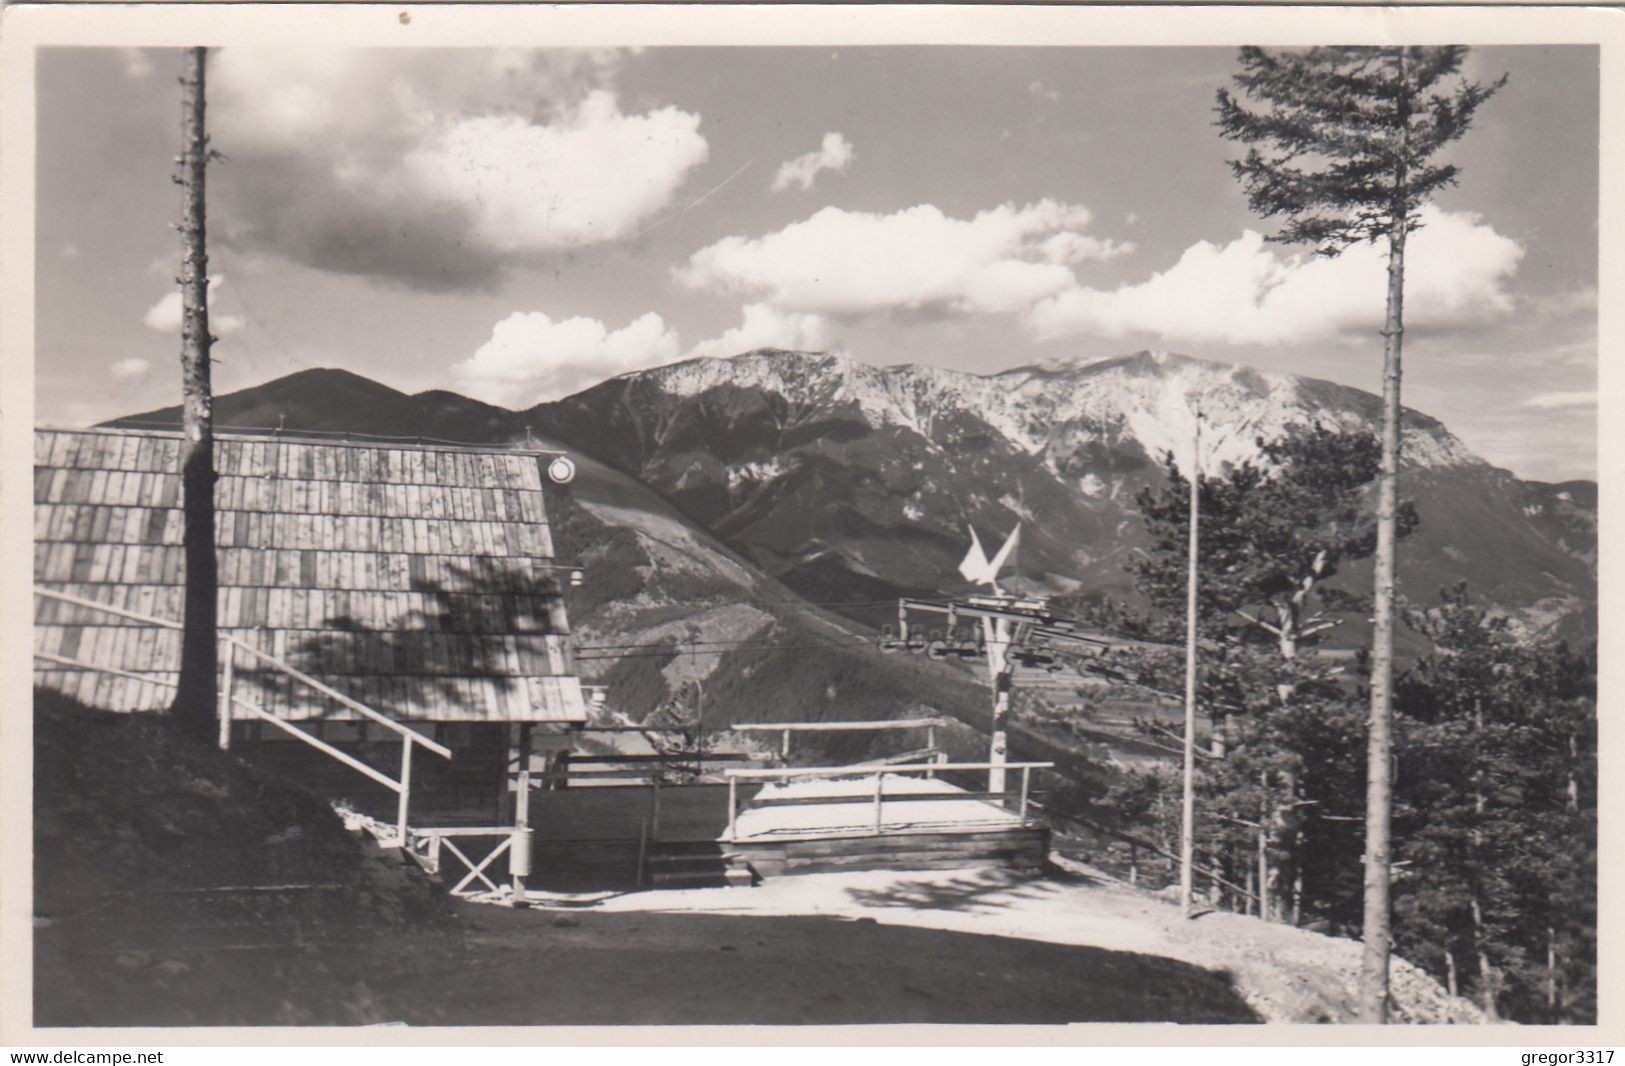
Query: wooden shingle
(423,555)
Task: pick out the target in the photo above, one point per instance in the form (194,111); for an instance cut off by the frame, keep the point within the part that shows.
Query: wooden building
(416,580)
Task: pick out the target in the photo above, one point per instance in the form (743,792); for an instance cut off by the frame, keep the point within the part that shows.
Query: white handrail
(166,623)
(334,694)
(77,664)
(229,645)
(865,771)
(837,727)
(253,709)
(787,729)
(95,605)
(878,773)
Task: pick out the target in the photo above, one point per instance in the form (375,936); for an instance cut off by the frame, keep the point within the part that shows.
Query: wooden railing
(429,846)
(229,646)
(877,773)
(788,729)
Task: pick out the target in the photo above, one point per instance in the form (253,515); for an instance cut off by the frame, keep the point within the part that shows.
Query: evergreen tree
(1497,815)
(1281,529)
(1343,149)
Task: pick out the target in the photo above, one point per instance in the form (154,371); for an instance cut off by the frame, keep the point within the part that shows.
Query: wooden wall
(1020,848)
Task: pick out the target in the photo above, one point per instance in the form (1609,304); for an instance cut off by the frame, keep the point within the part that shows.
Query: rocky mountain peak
(1147,399)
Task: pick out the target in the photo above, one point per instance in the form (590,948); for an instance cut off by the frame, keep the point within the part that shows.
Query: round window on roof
(561,470)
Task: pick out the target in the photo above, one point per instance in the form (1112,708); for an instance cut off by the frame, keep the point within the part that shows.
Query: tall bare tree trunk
(1297,882)
(1551,969)
(1187,838)
(195,698)
(1379,801)
(1489,978)
(1573,791)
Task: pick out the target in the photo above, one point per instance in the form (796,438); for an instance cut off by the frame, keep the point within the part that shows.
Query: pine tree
(1281,529)
(1498,816)
(1349,136)
(195,697)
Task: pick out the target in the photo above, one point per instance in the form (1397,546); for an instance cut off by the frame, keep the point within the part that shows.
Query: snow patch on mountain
(1151,398)
(1016,507)
(755,472)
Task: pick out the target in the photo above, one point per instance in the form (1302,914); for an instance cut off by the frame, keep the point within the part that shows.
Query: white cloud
(851,263)
(1249,292)
(132,367)
(165,315)
(439,168)
(1043,92)
(1574,398)
(69,251)
(590,177)
(531,359)
(136,64)
(1578,303)
(764,326)
(835,153)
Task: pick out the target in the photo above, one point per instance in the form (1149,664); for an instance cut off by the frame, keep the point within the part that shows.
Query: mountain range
(780,501)
(847,481)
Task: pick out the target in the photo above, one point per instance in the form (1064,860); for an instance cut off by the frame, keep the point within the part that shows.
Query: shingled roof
(418,580)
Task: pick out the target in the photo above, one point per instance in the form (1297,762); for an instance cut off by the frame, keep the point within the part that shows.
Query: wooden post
(784,751)
(655,828)
(406,788)
(519,854)
(643,848)
(998,636)
(229,656)
(879,788)
(1026,776)
(733,805)
(931,742)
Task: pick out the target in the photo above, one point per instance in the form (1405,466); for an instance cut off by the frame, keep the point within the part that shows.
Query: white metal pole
(228,653)
(406,790)
(519,853)
(879,778)
(1187,832)
(997,634)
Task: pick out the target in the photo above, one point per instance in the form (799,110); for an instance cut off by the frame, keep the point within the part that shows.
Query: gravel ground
(1283,974)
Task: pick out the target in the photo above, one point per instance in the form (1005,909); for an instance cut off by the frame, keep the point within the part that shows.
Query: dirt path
(953,946)
(628,967)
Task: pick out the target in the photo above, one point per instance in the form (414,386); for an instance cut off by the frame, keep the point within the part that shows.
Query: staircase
(694,864)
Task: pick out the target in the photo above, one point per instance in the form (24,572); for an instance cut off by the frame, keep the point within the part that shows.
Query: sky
(519,224)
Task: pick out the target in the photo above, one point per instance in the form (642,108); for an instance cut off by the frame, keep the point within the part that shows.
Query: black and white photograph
(926,517)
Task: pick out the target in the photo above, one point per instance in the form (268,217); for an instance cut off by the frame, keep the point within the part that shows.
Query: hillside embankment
(175,885)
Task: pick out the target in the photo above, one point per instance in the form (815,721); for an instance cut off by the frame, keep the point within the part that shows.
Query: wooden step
(698,862)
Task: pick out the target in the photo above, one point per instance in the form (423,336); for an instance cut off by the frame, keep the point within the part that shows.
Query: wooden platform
(815,826)
(626,837)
